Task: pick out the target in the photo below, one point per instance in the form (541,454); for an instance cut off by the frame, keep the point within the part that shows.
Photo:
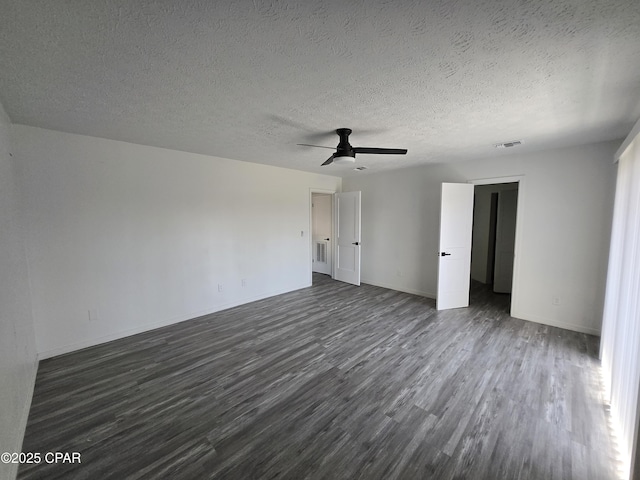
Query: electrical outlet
(243,282)
(93,314)
(220,287)
(555,300)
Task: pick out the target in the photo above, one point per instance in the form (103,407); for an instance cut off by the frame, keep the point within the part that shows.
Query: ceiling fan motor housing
(344,148)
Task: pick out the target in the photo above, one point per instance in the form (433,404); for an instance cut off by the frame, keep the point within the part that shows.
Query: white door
(321,213)
(454,257)
(347,255)
(505,240)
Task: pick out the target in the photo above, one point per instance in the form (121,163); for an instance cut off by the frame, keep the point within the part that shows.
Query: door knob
(355,243)
(445,254)
(327,239)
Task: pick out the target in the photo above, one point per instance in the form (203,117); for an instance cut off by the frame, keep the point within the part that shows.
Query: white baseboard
(514,313)
(10,471)
(400,289)
(554,323)
(90,342)
(27,406)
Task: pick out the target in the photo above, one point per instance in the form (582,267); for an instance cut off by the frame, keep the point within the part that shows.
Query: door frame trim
(313,190)
(516,280)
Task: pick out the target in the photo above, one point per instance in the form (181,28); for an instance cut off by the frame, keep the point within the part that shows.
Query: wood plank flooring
(329,382)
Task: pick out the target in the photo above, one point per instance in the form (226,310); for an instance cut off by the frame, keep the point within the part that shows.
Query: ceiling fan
(345,153)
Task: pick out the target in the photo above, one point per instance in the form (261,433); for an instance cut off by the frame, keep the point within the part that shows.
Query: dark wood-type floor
(331,382)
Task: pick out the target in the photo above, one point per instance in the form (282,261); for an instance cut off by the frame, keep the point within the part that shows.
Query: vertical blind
(620,342)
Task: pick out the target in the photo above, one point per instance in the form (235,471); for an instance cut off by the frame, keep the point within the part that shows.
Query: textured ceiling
(249,80)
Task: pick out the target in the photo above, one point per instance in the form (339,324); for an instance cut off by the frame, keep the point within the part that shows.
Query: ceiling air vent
(508,144)
(360,168)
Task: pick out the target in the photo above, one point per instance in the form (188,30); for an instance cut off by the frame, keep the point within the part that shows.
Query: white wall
(18,363)
(123,238)
(566,199)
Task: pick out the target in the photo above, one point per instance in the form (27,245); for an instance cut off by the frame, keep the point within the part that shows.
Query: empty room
(324,240)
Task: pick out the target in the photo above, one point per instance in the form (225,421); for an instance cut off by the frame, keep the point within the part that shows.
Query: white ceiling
(249,80)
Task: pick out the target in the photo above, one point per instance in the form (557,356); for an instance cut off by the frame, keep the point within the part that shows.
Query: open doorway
(494,236)
(322,233)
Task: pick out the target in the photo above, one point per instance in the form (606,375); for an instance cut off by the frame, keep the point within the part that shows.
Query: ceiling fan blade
(319,146)
(329,160)
(386,151)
